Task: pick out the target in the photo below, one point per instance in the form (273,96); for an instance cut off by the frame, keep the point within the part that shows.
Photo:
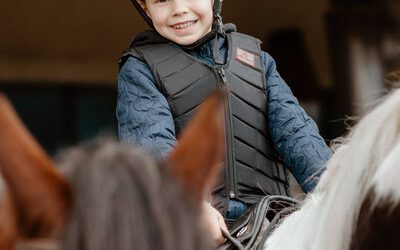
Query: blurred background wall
(58,59)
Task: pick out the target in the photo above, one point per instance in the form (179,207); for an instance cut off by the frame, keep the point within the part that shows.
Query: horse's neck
(313,227)
(386,179)
(329,215)
(326,218)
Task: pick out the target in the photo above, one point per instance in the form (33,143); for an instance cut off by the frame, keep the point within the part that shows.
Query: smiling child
(168,71)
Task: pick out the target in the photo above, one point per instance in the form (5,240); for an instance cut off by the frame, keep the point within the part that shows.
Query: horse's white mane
(327,218)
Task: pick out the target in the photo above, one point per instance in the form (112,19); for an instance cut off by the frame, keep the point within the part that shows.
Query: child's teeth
(184,25)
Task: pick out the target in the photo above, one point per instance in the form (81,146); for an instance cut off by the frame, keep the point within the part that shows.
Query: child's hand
(214,222)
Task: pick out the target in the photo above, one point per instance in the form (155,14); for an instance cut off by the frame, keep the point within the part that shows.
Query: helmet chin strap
(216,29)
(218,25)
(219,30)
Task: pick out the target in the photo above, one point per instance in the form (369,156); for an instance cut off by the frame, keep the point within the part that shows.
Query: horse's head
(108,195)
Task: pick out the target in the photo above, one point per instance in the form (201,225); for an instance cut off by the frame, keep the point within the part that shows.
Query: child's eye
(162,1)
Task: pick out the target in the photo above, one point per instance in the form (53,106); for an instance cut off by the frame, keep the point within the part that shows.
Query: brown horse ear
(199,153)
(40,195)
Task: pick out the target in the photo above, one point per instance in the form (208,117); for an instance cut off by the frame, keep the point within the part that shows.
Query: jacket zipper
(227,115)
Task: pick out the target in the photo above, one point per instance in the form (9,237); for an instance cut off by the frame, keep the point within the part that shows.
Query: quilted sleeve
(295,135)
(143,114)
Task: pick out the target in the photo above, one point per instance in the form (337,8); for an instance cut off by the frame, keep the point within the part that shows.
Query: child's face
(181,21)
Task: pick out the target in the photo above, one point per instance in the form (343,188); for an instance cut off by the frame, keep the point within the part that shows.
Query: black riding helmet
(217,27)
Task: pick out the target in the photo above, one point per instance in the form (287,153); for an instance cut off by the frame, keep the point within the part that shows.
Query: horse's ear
(199,153)
(40,195)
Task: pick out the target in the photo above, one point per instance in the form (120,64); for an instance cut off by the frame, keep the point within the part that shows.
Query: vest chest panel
(252,168)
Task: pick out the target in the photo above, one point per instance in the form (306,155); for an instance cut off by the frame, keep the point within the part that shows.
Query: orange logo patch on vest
(245,57)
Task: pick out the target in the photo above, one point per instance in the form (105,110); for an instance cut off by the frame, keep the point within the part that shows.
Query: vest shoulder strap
(126,54)
(145,38)
(156,51)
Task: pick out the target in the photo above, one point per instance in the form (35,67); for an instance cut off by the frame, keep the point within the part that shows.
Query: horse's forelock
(104,154)
(123,201)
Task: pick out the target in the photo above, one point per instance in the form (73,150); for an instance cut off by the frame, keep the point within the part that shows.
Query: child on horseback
(168,71)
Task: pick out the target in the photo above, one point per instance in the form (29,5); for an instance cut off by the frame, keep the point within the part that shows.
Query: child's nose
(180,7)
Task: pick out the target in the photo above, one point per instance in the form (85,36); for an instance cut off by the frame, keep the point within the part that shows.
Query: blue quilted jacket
(145,119)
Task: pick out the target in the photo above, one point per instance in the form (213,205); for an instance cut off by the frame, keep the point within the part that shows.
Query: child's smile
(181,21)
(184,26)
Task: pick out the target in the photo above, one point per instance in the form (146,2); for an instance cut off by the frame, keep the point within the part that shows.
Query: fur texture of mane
(365,165)
(109,196)
(123,199)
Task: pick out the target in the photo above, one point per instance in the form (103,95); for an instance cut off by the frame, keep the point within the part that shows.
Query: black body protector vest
(251,168)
